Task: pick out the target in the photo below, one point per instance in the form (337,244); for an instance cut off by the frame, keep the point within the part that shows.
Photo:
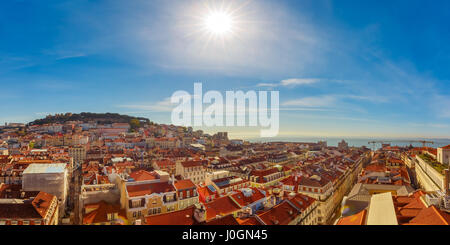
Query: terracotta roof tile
(148,189)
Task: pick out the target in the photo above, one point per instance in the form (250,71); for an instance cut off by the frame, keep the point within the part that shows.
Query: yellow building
(147,193)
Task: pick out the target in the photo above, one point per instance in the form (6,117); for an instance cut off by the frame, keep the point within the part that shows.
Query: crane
(424,142)
(376,142)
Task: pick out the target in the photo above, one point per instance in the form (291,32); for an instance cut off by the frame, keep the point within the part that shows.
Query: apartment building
(147,193)
(261,178)
(192,169)
(41,209)
(187,193)
(78,153)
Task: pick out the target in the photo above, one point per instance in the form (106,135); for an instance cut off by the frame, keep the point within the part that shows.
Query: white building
(50,178)
(192,170)
(443,155)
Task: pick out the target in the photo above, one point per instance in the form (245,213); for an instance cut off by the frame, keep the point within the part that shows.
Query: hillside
(103,118)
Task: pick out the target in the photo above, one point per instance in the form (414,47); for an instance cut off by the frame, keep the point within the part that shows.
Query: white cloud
(318,101)
(267,85)
(298,81)
(370,98)
(292,82)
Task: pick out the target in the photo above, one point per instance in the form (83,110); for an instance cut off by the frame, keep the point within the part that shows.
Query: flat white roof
(37,168)
(39,150)
(381,210)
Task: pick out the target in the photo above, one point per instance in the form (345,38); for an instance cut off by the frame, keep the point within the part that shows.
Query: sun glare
(219,23)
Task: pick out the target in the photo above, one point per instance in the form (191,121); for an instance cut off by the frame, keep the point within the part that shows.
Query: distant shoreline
(356,142)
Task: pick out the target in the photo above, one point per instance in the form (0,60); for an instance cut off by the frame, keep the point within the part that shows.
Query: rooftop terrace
(433,163)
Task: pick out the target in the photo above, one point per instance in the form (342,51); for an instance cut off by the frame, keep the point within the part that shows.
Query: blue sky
(343,68)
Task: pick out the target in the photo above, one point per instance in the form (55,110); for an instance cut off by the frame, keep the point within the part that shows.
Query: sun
(219,23)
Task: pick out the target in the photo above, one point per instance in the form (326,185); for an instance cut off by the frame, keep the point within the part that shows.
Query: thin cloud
(292,82)
(267,85)
(298,81)
(318,101)
(71,56)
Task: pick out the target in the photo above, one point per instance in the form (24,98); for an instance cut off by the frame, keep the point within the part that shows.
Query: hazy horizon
(341,67)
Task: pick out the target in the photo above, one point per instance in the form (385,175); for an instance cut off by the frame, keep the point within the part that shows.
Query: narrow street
(412,175)
(76,195)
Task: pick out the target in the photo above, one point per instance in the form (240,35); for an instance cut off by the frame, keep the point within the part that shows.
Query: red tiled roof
(243,200)
(143,175)
(281,214)
(205,192)
(431,216)
(412,211)
(301,201)
(227,220)
(189,164)
(100,212)
(222,206)
(181,217)
(148,189)
(36,209)
(357,219)
(184,184)
(42,202)
(249,221)
(165,163)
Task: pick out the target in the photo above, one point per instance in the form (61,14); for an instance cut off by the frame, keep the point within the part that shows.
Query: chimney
(199,213)
(446,180)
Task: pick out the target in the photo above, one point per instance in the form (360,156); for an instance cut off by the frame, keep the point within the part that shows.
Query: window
(14,222)
(37,222)
(134,214)
(26,222)
(136,203)
(169,198)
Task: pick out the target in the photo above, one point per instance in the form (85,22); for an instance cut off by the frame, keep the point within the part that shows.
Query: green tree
(135,124)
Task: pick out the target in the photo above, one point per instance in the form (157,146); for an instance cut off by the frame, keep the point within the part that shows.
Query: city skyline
(348,69)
